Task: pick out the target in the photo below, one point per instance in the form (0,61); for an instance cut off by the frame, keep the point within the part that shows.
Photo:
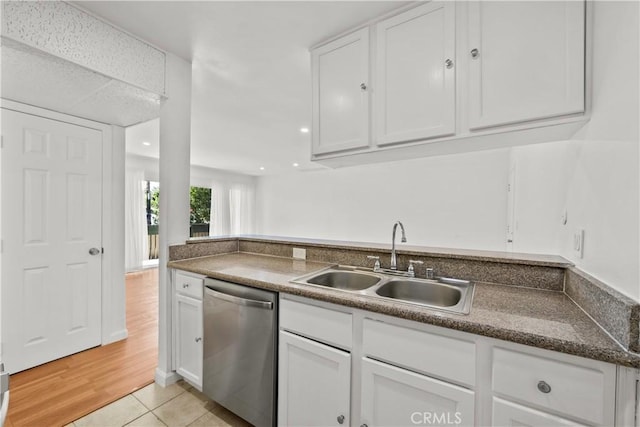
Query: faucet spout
(394,261)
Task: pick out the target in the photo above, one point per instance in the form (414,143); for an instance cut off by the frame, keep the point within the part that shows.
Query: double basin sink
(452,295)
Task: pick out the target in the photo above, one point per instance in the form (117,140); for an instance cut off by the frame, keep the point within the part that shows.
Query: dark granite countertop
(539,318)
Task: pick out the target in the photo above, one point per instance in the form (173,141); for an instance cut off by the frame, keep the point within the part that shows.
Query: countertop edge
(610,355)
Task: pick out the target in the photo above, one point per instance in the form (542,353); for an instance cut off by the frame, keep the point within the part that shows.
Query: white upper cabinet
(415,75)
(526,61)
(340,94)
(450,77)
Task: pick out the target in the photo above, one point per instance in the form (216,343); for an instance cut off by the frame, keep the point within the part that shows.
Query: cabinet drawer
(325,325)
(432,354)
(583,392)
(189,285)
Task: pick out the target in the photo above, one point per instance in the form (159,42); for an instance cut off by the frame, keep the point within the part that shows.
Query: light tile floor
(174,406)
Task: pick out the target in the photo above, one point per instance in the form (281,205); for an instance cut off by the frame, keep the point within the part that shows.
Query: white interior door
(51,219)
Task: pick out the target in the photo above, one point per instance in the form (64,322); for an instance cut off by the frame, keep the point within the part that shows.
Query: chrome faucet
(394,261)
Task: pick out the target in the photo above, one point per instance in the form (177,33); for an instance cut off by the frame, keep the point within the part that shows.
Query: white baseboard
(116,336)
(164,379)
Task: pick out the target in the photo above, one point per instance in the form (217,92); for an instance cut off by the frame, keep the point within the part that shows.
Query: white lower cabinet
(513,415)
(408,373)
(189,339)
(188,325)
(393,396)
(314,383)
(583,390)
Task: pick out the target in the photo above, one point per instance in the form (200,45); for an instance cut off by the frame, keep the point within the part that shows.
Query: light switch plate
(299,253)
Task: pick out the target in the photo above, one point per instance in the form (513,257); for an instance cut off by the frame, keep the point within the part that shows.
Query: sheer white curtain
(232,209)
(241,208)
(219,223)
(136,239)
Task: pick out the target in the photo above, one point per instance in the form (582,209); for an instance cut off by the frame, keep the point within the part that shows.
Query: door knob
(474,53)
(94,251)
(340,419)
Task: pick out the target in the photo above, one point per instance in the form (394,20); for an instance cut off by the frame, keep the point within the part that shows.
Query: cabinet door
(189,339)
(415,74)
(526,61)
(509,414)
(314,383)
(393,396)
(340,94)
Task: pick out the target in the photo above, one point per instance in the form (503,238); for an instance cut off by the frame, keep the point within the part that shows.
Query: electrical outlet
(299,253)
(578,243)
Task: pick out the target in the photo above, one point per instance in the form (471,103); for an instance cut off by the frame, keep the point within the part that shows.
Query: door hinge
(102,250)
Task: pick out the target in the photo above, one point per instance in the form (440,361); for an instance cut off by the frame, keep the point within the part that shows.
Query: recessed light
(295,165)
(145,143)
(261,168)
(304,130)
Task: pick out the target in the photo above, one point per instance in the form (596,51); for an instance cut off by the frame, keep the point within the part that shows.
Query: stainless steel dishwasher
(240,344)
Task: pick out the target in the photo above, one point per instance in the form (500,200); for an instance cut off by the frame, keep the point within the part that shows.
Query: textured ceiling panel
(133,105)
(67,32)
(37,78)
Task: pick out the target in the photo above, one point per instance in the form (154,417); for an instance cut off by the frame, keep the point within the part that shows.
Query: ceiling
(34,77)
(251,81)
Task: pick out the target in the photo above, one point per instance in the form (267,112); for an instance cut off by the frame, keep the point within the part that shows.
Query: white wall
(595,177)
(449,201)
(148,165)
(461,201)
(199,176)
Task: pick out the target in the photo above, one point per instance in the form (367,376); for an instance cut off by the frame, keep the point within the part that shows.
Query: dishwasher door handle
(240,301)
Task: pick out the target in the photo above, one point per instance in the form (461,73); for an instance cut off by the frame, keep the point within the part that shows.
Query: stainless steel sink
(346,280)
(445,294)
(420,292)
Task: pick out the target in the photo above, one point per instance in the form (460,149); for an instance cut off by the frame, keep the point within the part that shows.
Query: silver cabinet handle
(198,339)
(474,53)
(340,419)
(239,301)
(185,285)
(94,251)
(544,387)
(363,86)
(448,63)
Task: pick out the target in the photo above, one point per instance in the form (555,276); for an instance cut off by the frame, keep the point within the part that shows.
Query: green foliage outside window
(200,199)
(200,205)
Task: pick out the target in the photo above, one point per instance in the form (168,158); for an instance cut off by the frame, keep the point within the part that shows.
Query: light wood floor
(64,390)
